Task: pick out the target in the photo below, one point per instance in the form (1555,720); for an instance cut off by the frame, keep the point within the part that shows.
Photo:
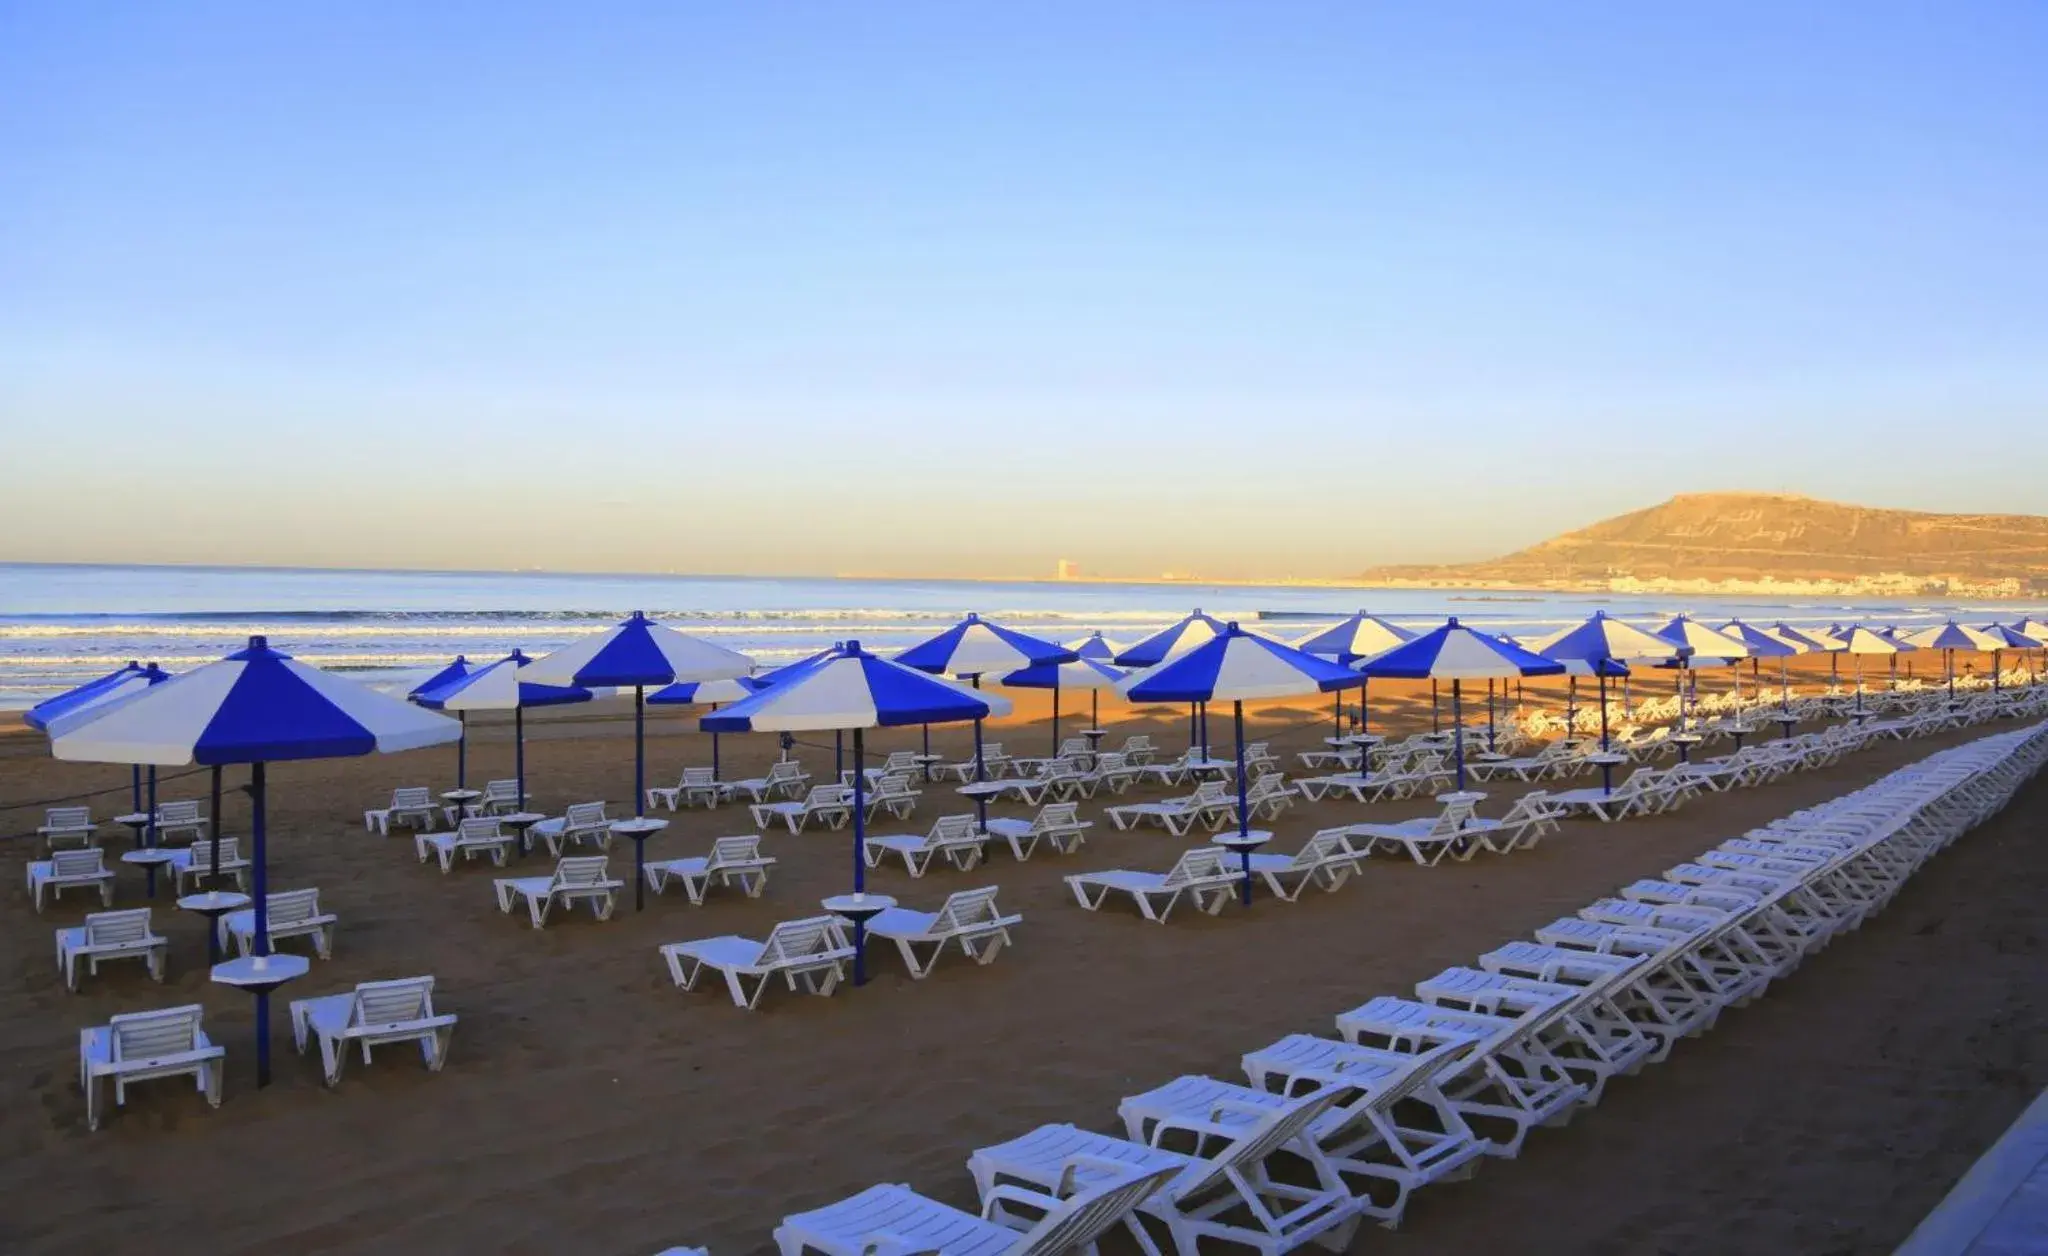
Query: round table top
(1685,739)
(1609,759)
(522,819)
(979,789)
(1468,795)
(254,972)
(461,795)
(1245,841)
(1786,719)
(134,819)
(639,826)
(1094,732)
(214,902)
(858,906)
(147,855)
(1363,739)
(928,758)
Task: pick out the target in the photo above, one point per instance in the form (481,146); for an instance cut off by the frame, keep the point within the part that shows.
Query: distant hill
(1696,539)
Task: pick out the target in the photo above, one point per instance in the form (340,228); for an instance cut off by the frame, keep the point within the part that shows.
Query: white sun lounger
(195,863)
(66,826)
(289,914)
(786,778)
(813,951)
(698,785)
(71,870)
(831,805)
(1327,860)
(581,822)
(1427,839)
(374,1014)
(412,805)
(1210,803)
(477,835)
(1199,873)
(179,819)
(1017,1222)
(952,838)
(969,917)
(733,861)
(576,877)
(144,1046)
(110,935)
(1057,823)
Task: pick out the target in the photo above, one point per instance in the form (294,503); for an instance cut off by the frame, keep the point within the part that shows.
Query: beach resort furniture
(412,805)
(66,826)
(1357,784)
(1112,771)
(1640,792)
(1268,796)
(1068,1217)
(786,778)
(1593,1041)
(732,861)
(994,763)
(1531,816)
(813,951)
(476,835)
(582,822)
(145,1046)
(179,819)
(698,785)
(1211,803)
(576,877)
(1224,1191)
(1426,839)
(968,917)
(1422,771)
(289,914)
(1327,860)
(892,793)
(195,863)
(374,1014)
(1173,771)
(107,936)
(1201,874)
(1554,759)
(830,805)
(500,798)
(71,870)
(952,838)
(1138,749)
(1060,778)
(1057,823)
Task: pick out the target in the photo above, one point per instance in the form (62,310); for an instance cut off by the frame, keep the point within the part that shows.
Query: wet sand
(590,1107)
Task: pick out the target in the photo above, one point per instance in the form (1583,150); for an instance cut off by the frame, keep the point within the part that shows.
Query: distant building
(1068,569)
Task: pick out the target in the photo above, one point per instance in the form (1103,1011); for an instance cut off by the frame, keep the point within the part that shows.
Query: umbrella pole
(1458,729)
(149,830)
(639,756)
(1606,769)
(1436,712)
(462,751)
(714,747)
(860,854)
(1489,716)
(1571,705)
(838,754)
(927,752)
(1194,737)
(519,754)
(1364,711)
(1055,714)
(213,875)
(1205,730)
(1337,714)
(259,882)
(1244,814)
(135,788)
(1095,707)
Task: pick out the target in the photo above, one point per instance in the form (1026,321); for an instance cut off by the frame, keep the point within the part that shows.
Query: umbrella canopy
(453,672)
(1169,642)
(1359,637)
(2012,638)
(1458,654)
(499,686)
(1762,644)
(698,692)
(850,688)
(1695,640)
(1814,640)
(978,647)
(1236,665)
(2033,628)
(1953,636)
(1095,646)
(1602,638)
(72,706)
(1082,673)
(1861,640)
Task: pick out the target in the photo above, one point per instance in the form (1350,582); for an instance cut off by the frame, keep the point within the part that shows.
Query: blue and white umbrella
(1765,644)
(1091,675)
(1170,642)
(1699,646)
(713,692)
(1358,638)
(1859,641)
(454,671)
(851,689)
(976,647)
(1948,638)
(500,686)
(1095,646)
(1458,654)
(96,697)
(2009,639)
(256,706)
(1232,667)
(1604,647)
(638,653)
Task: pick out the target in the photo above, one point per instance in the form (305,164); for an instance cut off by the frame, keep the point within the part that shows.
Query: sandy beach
(590,1107)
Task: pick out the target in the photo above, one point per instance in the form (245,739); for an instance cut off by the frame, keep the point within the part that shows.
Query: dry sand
(590,1107)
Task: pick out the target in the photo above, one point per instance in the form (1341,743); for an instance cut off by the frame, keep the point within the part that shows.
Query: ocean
(60,624)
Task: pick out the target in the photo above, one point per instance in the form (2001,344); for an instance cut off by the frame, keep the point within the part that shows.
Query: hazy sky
(963,288)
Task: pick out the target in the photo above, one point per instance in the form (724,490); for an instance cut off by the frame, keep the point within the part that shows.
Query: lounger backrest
(797,939)
(1210,791)
(900,761)
(479,829)
(784,769)
(1266,785)
(1137,743)
(1325,844)
(1083,1217)
(67,817)
(392,1002)
(290,907)
(77,863)
(579,871)
(113,928)
(1111,762)
(698,776)
(583,815)
(1273,1131)
(141,1035)
(966,909)
(1074,747)
(1452,818)
(202,855)
(177,813)
(1197,864)
(727,852)
(952,828)
(829,796)
(1055,815)
(410,798)
(893,787)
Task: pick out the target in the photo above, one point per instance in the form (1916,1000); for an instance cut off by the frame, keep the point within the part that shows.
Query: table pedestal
(639,829)
(1244,844)
(858,908)
(260,974)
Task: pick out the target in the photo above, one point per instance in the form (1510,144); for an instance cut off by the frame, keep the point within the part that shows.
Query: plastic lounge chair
(195,863)
(1113,772)
(374,1014)
(994,763)
(1057,823)
(1210,802)
(500,798)
(1327,860)
(1229,1195)
(411,805)
(786,778)
(698,785)
(66,826)
(894,794)
(812,951)
(581,822)
(144,1046)
(1138,749)
(952,838)
(110,935)
(1017,1222)
(969,917)
(1199,873)
(733,860)
(830,805)
(1427,839)
(179,819)
(476,835)
(1525,823)
(290,914)
(1624,800)
(575,877)
(71,870)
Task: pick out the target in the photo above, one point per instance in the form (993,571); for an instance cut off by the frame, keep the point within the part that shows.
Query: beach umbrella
(1360,637)
(1765,644)
(2037,632)
(1095,646)
(95,696)
(1948,638)
(1232,667)
(1093,675)
(638,653)
(714,692)
(454,671)
(500,686)
(851,689)
(1696,641)
(1172,641)
(1604,646)
(2008,639)
(1860,642)
(1458,654)
(256,706)
(976,647)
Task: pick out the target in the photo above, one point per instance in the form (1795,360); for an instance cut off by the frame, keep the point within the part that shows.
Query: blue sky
(1274,289)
